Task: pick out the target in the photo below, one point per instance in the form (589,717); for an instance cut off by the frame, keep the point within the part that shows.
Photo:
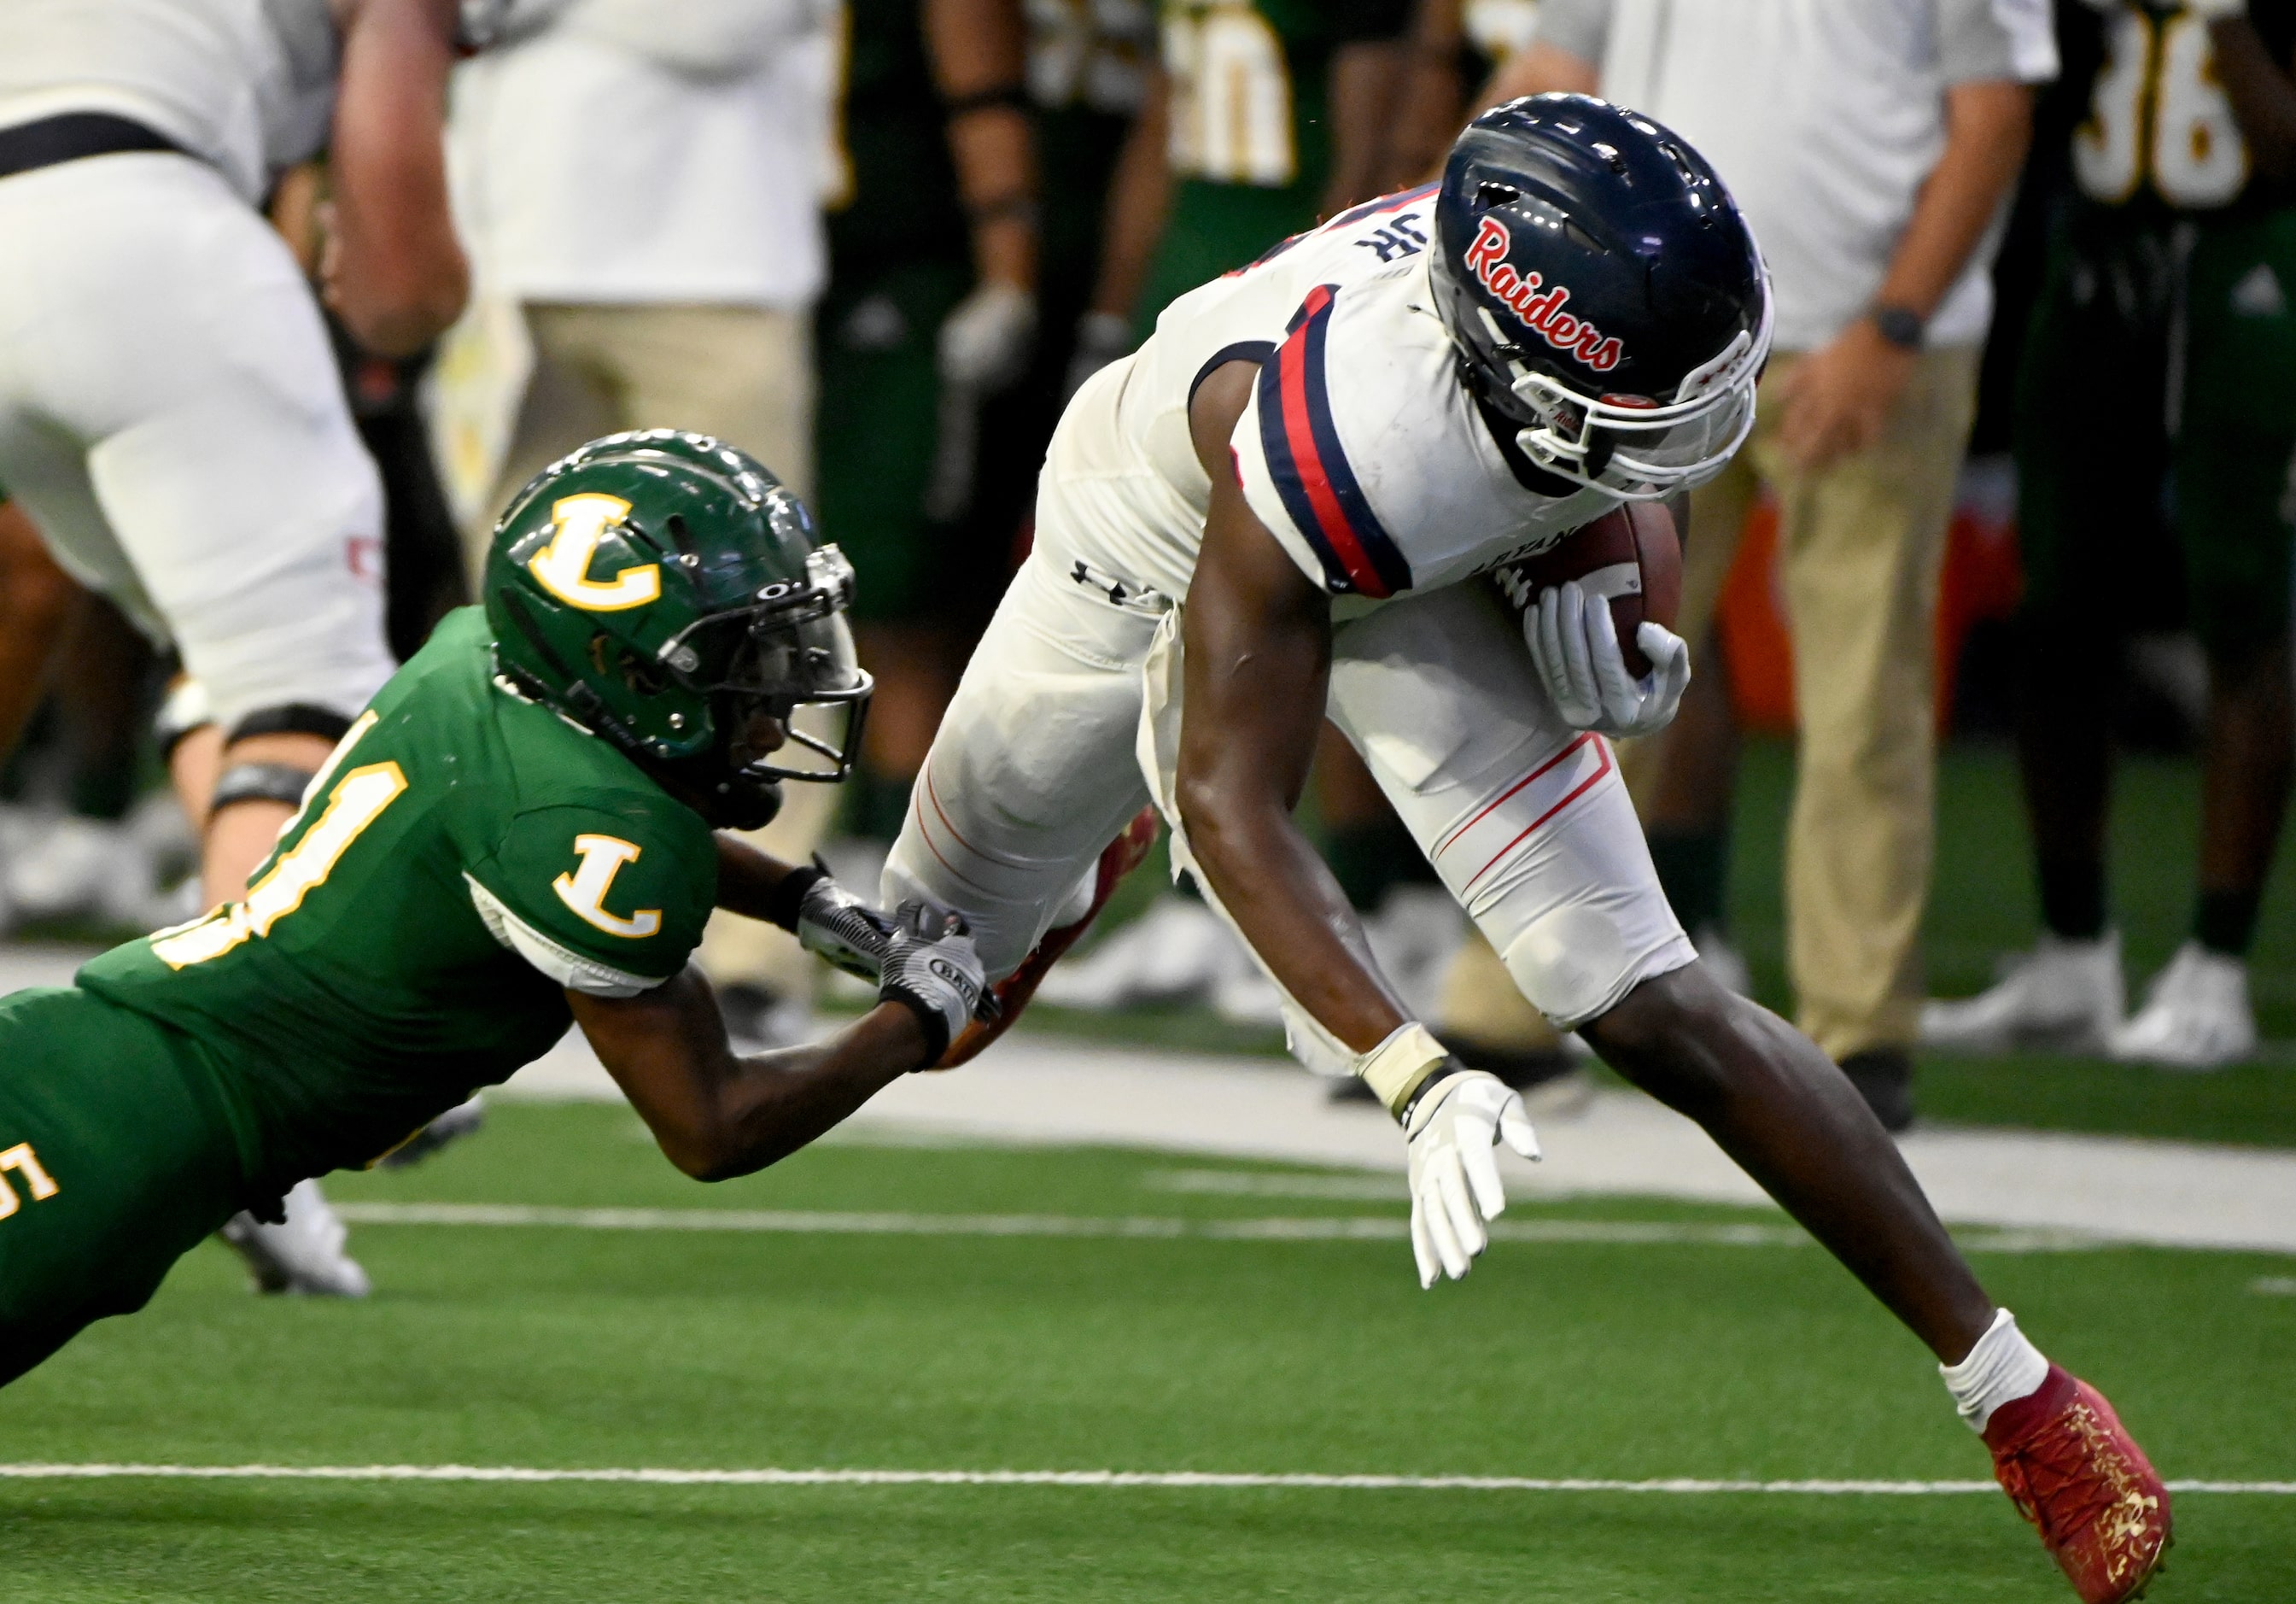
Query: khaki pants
(1861,547)
(745,374)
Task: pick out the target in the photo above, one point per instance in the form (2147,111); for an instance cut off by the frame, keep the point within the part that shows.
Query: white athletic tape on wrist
(1401,1064)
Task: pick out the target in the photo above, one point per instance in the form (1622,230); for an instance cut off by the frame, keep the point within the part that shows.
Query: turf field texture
(931,1344)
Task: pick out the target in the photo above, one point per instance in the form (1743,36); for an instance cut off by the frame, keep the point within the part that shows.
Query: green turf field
(1215,1345)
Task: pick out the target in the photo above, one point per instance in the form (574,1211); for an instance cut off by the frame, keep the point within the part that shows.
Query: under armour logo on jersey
(1400,237)
(1539,311)
(585,890)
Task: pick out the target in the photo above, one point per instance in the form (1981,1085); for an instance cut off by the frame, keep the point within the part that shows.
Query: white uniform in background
(170,413)
(1366,456)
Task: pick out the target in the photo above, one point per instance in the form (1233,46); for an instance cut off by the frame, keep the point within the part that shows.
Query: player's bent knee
(1570,962)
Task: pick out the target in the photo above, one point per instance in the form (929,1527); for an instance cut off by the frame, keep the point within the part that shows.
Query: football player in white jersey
(171,418)
(1287,502)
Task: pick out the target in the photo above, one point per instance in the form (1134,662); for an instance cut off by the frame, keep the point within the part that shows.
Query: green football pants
(115,1160)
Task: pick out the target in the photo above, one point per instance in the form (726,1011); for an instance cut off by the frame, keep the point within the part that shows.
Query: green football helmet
(663,590)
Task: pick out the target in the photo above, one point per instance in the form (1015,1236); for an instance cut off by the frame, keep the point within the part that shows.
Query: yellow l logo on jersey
(585,890)
(563,566)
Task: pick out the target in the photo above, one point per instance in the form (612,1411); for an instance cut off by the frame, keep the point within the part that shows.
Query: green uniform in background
(1250,132)
(900,259)
(464,857)
(2157,398)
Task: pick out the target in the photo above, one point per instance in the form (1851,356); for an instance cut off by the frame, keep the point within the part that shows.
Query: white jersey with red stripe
(1360,450)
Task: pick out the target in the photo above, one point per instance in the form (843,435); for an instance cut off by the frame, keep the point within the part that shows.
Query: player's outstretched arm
(1258,650)
(1258,636)
(392,268)
(827,920)
(717,1115)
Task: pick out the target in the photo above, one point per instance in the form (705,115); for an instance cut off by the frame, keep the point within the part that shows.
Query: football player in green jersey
(515,833)
(1270,116)
(2156,412)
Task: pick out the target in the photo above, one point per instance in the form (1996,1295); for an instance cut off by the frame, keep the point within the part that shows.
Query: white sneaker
(80,867)
(1722,961)
(303,1255)
(2064,994)
(1177,952)
(2196,1015)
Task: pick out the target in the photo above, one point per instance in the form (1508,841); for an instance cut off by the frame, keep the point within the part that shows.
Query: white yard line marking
(2274,1286)
(1366,1228)
(1037,1478)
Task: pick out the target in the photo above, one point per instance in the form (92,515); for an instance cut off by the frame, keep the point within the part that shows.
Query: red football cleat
(2073,1470)
(1119,859)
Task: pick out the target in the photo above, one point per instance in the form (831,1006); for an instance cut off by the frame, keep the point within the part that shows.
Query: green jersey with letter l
(464,856)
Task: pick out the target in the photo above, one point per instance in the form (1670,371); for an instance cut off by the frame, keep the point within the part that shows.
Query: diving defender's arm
(717,1115)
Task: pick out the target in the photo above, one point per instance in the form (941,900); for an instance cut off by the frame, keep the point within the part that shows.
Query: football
(1630,554)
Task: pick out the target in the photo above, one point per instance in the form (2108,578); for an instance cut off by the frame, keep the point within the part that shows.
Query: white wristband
(1401,1064)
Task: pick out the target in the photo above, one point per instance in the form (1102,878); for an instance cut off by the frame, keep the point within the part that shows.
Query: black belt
(71,136)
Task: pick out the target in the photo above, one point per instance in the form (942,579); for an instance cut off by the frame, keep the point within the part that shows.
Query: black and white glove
(834,924)
(931,969)
(1574,644)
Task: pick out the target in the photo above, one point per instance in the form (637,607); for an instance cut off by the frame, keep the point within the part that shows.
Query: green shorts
(2156,429)
(879,432)
(118,1159)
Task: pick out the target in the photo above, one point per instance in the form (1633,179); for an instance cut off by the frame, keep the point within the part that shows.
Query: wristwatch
(1901,327)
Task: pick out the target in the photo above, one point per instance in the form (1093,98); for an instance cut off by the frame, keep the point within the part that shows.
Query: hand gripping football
(1630,556)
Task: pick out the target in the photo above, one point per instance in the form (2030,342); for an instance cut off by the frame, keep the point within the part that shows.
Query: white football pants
(171,417)
(1068,720)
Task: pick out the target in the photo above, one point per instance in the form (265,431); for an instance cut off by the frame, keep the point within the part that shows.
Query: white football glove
(1452,1117)
(931,969)
(985,342)
(1454,1182)
(834,924)
(1575,646)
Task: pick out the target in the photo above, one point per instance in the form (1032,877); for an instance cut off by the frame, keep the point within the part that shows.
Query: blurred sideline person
(2165,327)
(644,182)
(1874,150)
(170,414)
(1292,498)
(1088,66)
(931,311)
(515,837)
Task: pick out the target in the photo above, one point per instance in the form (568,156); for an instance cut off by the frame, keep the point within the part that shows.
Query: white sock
(2001,1368)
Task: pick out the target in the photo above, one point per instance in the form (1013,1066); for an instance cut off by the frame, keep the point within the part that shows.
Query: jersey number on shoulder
(563,566)
(22,1159)
(2158,108)
(357,801)
(1231,95)
(585,890)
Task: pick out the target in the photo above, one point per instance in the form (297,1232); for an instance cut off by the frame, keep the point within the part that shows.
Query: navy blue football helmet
(1603,293)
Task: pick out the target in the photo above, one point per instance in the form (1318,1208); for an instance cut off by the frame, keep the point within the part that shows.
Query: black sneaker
(1884,1077)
